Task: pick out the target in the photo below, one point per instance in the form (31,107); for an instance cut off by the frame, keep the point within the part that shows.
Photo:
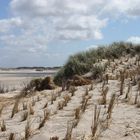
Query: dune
(64,121)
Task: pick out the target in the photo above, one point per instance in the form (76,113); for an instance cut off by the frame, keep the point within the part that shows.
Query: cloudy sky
(46,32)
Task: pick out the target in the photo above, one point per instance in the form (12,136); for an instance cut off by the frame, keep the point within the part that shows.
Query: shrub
(82,63)
(38,85)
(3,126)
(97,72)
(15,107)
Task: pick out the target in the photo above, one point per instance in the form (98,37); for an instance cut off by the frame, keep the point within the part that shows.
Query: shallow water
(12,74)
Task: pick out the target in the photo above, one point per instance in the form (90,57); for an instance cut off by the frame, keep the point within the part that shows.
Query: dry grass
(69,131)
(46,117)
(72,90)
(91,86)
(111,105)
(122,78)
(3,126)
(24,116)
(1,109)
(27,130)
(128,90)
(77,113)
(31,110)
(11,136)
(104,95)
(107,77)
(15,108)
(84,105)
(24,106)
(33,102)
(136,98)
(87,91)
(139,86)
(45,105)
(53,98)
(38,99)
(138,104)
(95,122)
(60,105)
(54,138)
(66,98)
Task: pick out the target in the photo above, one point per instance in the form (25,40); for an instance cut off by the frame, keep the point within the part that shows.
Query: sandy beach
(124,123)
(16,79)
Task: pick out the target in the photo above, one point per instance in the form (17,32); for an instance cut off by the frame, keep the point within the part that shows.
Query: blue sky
(46,32)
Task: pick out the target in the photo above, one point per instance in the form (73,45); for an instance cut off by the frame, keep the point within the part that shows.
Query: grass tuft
(24,106)
(54,138)
(69,131)
(111,105)
(11,136)
(1,109)
(27,130)
(95,122)
(24,116)
(46,117)
(15,108)
(3,126)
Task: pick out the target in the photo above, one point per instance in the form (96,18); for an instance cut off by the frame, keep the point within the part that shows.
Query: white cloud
(134,39)
(9,24)
(69,20)
(75,19)
(34,23)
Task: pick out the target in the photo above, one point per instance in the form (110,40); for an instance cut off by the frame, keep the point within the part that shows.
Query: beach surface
(16,79)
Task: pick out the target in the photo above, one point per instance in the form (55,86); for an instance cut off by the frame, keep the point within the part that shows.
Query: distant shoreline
(30,68)
(17,78)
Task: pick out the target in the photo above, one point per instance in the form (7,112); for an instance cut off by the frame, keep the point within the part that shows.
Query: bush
(38,85)
(82,63)
(97,72)
(59,77)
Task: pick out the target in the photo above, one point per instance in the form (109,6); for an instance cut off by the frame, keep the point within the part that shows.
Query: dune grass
(82,62)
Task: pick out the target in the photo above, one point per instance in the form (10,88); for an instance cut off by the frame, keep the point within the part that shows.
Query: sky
(47,32)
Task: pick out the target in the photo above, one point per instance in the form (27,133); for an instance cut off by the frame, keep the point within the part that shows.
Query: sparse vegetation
(38,85)
(31,110)
(69,131)
(72,90)
(11,136)
(3,126)
(77,113)
(54,138)
(50,110)
(122,78)
(82,63)
(3,88)
(24,106)
(111,105)
(1,108)
(104,95)
(46,117)
(15,108)
(27,129)
(45,105)
(24,116)
(95,122)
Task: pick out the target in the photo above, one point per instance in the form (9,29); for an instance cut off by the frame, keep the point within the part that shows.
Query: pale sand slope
(123,125)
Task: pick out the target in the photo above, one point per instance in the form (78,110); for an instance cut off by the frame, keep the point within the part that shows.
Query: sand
(124,123)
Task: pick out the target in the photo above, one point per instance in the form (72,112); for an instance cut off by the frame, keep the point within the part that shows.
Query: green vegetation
(82,63)
(38,85)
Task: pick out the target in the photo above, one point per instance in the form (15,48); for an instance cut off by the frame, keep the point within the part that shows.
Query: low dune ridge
(104,110)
